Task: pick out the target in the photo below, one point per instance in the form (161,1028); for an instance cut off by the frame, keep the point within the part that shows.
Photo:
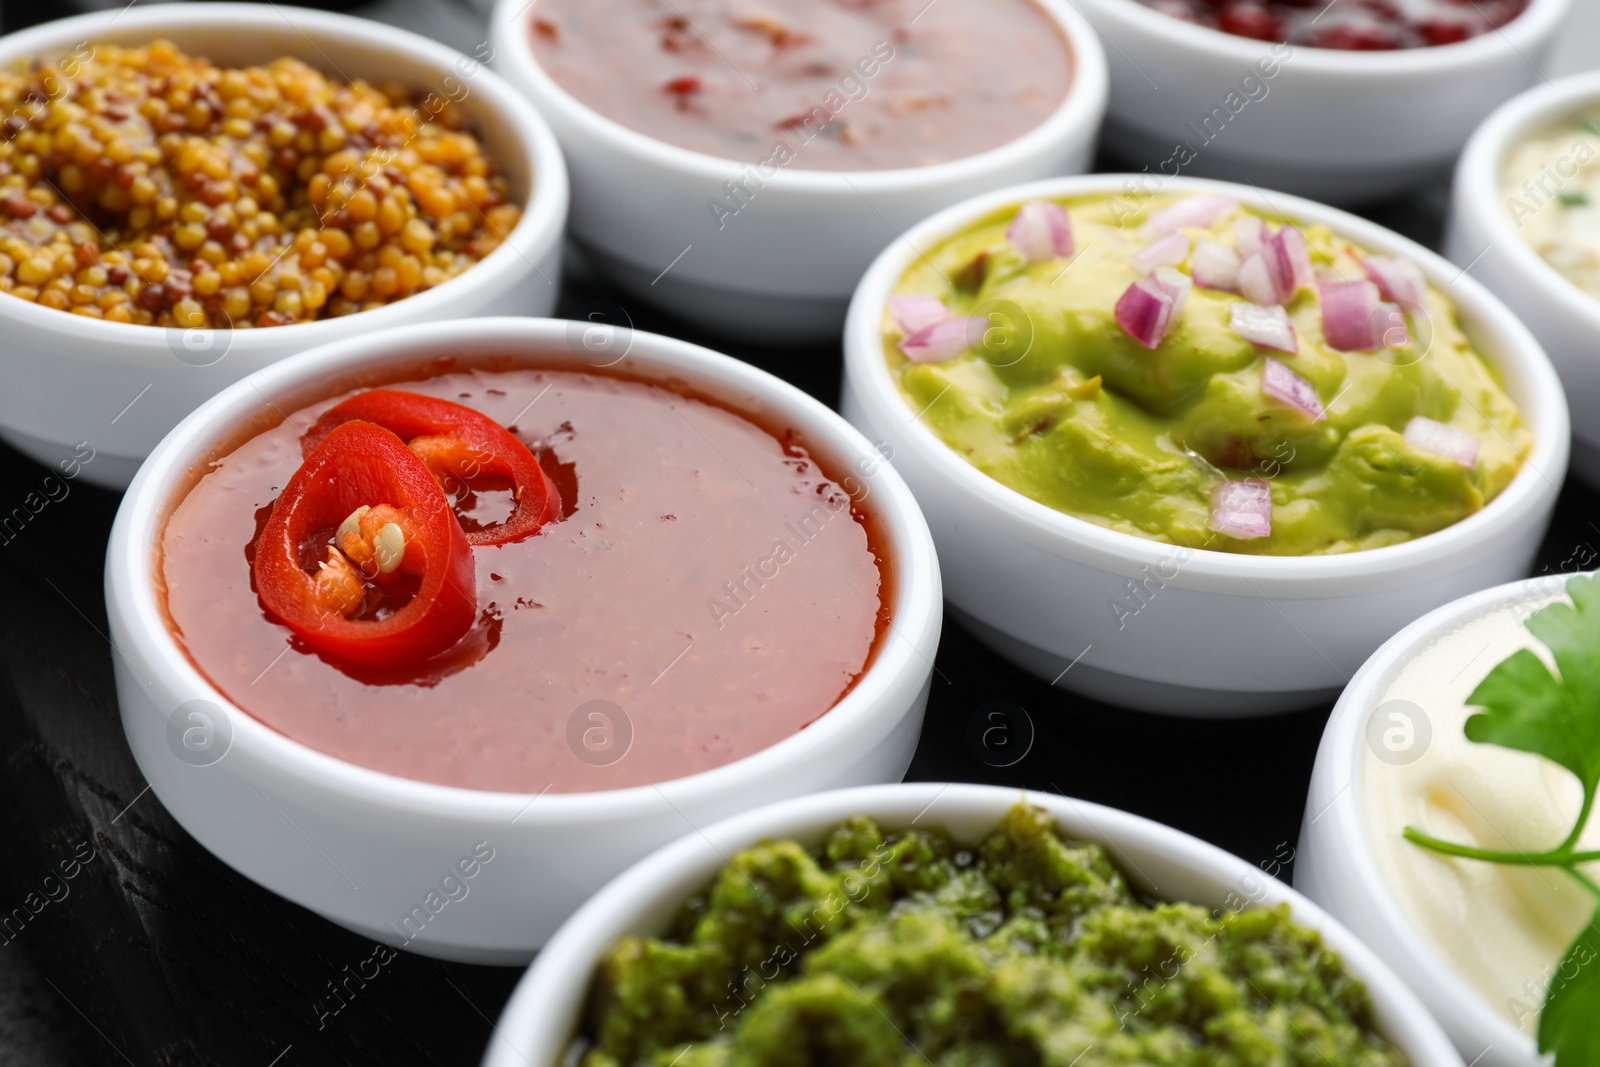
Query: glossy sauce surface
(1351,25)
(709,585)
(811,84)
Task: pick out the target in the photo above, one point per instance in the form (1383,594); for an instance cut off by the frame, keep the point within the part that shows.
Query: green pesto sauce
(1063,406)
(906,950)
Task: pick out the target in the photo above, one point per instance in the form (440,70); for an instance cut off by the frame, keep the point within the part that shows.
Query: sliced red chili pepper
(456,441)
(392,528)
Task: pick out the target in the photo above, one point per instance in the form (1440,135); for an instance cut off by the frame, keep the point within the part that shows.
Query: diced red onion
(1166,251)
(1350,316)
(1201,210)
(1300,256)
(1151,305)
(914,312)
(1281,383)
(1288,263)
(1266,325)
(1399,280)
(1178,283)
(1041,230)
(1214,265)
(1255,281)
(1242,510)
(1426,435)
(945,340)
(1249,231)
(1389,326)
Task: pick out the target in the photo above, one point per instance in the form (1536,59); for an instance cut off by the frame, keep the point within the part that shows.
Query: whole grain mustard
(143,185)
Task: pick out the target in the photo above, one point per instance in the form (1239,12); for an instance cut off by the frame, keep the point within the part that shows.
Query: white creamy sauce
(1551,188)
(1502,929)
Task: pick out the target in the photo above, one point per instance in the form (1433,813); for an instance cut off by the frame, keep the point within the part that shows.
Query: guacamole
(1024,950)
(1105,380)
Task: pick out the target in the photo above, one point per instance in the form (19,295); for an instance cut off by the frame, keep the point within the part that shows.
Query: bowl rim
(907,647)
(1539,19)
(1087,94)
(1477,183)
(536,1004)
(537,231)
(1340,760)
(1545,410)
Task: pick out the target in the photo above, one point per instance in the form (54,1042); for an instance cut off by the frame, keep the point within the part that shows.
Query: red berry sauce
(1349,25)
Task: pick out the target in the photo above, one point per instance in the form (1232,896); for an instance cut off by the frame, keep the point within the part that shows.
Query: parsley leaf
(1532,710)
(1567,1022)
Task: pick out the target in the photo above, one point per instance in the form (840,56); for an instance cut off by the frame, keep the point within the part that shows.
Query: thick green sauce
(1063,406)
(1025,950)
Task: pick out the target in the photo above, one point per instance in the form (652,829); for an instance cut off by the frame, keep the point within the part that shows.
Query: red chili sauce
(707,578)
(1349,25)
(811,84)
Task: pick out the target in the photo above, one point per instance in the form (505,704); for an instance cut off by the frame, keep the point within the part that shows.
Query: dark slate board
(156,953)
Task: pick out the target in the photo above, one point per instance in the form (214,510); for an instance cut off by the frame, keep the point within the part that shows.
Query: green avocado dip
(1025,950)
(1189,371)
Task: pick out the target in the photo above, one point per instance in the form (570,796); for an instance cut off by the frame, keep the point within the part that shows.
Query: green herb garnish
(1573,198)
(1529,709)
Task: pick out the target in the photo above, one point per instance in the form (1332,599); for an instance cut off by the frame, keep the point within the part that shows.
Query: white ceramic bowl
(119,388)
(364,848)
(1338,126)
(1482,236)
(783,270)
(542,1016)
(1228,634)
(1335,864)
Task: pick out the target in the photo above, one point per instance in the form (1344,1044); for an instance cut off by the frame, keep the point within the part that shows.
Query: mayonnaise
(1502,929)
(1551,186)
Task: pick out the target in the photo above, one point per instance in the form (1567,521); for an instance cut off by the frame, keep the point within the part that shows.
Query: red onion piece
(1399,280)
(1255,281)
(1300,256)
(1389,326)
(1215,265)
(944,340)
(1201,210)
(1426,435)
(1040,230)
(1248,232)
(1350,316)
(1242,510)
(1281,383)
(1152,305)
(1288,263)
(915,312)
(1266,325)
(1166,251)
(1178,284)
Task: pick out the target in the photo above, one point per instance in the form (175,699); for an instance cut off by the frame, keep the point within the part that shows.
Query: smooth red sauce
(676,506)
(811,84)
